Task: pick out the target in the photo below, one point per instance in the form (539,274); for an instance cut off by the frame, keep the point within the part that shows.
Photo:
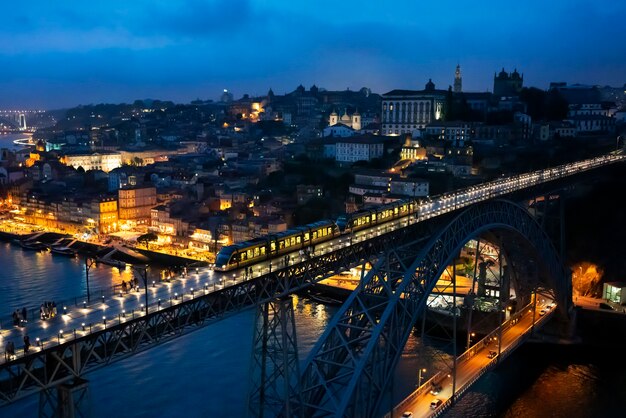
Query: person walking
(26,343)
(9,351)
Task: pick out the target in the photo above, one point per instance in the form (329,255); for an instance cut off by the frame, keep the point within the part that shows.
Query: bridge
(349,371)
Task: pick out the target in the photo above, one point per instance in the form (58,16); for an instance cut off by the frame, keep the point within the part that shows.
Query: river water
(205,373)
(6,140)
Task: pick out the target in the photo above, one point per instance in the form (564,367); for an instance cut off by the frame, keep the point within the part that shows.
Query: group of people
(133,283)
(20,317)
(9,351)
(48,310)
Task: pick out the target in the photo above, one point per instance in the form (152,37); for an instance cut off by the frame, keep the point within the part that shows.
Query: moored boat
(63,251)
(33,245)
(114,263)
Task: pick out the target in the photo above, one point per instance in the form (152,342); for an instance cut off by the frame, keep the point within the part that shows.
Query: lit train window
(373,216)
(306,236)
(256,252)
(262,250)
(314,234)
(250,254)
(273,246)
(281,245)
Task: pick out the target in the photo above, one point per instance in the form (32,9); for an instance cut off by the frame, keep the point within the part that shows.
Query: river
(6,140)
(205,373)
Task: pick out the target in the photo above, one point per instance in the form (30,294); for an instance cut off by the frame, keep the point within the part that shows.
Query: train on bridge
(304,238)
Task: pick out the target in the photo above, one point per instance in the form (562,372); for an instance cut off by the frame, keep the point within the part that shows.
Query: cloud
(193,47)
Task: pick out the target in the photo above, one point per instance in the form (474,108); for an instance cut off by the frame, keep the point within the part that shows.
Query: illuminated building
(135,204)
(406,111)
(105,161)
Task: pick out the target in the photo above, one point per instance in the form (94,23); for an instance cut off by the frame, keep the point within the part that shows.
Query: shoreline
(96,250)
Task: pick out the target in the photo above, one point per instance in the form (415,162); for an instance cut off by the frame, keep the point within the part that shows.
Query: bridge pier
(67,400)
(275,366)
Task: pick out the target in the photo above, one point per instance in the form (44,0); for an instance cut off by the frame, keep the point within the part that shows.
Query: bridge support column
(67,400)
(275,367)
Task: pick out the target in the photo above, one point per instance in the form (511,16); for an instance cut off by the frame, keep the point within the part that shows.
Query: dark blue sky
(63,53)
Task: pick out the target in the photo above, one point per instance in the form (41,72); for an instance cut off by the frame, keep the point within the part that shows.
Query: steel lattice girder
(349,369)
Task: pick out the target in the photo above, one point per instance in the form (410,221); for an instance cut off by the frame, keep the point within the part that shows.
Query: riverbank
(115,254)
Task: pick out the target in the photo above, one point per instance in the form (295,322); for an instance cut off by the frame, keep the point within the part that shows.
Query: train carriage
(259,249)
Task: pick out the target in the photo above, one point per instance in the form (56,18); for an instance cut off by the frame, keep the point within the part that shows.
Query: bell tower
(458,81)
(356,121)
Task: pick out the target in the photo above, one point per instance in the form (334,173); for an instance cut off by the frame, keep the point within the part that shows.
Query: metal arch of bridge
(350,368)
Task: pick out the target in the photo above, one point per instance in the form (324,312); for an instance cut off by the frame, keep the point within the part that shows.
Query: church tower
(333,119)
(458,81)
(356,121)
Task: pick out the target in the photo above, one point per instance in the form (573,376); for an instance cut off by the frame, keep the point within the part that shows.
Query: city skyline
(70,54)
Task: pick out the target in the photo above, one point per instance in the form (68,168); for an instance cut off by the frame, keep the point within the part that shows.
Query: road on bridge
(475,362)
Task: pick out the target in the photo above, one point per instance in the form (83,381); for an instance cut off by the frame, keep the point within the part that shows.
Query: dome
(430,85)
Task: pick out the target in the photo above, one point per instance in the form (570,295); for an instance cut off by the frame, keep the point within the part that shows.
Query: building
(105,161)
(506,85)
(135,205)
(407,111)
(339,131)
(455,133)
(104,214)
(362,148)
(353,121)
(614,292)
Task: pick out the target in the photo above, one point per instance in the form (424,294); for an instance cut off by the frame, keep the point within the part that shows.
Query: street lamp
(89,263)
(419,377)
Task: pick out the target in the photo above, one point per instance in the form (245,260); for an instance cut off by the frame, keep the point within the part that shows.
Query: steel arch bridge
(349,371)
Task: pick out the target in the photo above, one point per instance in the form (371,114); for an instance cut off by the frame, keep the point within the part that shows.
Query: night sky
(63,53)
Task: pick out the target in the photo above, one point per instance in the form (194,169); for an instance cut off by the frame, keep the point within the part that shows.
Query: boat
(33,245)
(67,251)
(110,262)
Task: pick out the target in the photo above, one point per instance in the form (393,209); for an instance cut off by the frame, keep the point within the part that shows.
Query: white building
(406,111)
(358,149)
(338,131)
(105,161)
(353,121)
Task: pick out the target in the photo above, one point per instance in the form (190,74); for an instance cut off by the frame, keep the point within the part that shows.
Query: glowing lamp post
(419,377)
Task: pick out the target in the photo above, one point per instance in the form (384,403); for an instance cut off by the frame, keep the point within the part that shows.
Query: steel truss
(275,364)
(82,352)
(350,369)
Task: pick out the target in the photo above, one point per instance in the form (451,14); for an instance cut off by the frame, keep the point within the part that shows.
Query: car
(542,312)
(435,404)
(606,306)
(435,390)
(407,414)
(492,354)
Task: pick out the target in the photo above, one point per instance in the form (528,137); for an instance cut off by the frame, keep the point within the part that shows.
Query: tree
(147,238)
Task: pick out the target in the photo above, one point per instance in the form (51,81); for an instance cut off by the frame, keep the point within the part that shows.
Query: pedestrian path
(79,319)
